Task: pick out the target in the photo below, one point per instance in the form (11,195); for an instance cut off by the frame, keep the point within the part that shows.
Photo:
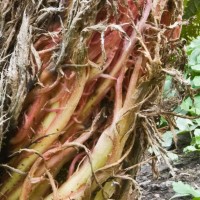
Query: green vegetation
(190,106)
(192,18)
(183,190)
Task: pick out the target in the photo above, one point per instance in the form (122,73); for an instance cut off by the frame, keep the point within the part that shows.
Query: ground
(186,170)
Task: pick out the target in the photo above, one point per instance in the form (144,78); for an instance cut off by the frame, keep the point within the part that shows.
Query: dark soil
(187,169)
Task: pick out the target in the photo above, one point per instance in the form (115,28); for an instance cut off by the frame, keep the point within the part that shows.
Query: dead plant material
(98,67)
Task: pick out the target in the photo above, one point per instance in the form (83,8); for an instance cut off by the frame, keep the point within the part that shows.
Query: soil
(186,170)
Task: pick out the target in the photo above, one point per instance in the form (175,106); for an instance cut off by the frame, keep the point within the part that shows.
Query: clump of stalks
(97,64)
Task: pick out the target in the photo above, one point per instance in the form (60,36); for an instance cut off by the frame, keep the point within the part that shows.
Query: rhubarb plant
(97,69)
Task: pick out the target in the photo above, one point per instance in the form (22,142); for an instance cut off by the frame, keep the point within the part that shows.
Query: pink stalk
(118,92)
(74,162)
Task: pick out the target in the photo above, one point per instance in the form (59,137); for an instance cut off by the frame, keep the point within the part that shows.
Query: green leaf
(172,156)
(168,91)
(191,107)
(163,122)
(196,68)
(194,44)
(186,104)
(179,195)
(196,81)
(185,189)
(196,198)
(167,139)
(190,149)
(197,140)
(193,58)
(184,124)
(197,132)
(197,121)
(197,104)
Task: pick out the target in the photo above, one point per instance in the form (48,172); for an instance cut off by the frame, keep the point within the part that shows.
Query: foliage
(191,104)
(192,8)
(183,189)
(192,14)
